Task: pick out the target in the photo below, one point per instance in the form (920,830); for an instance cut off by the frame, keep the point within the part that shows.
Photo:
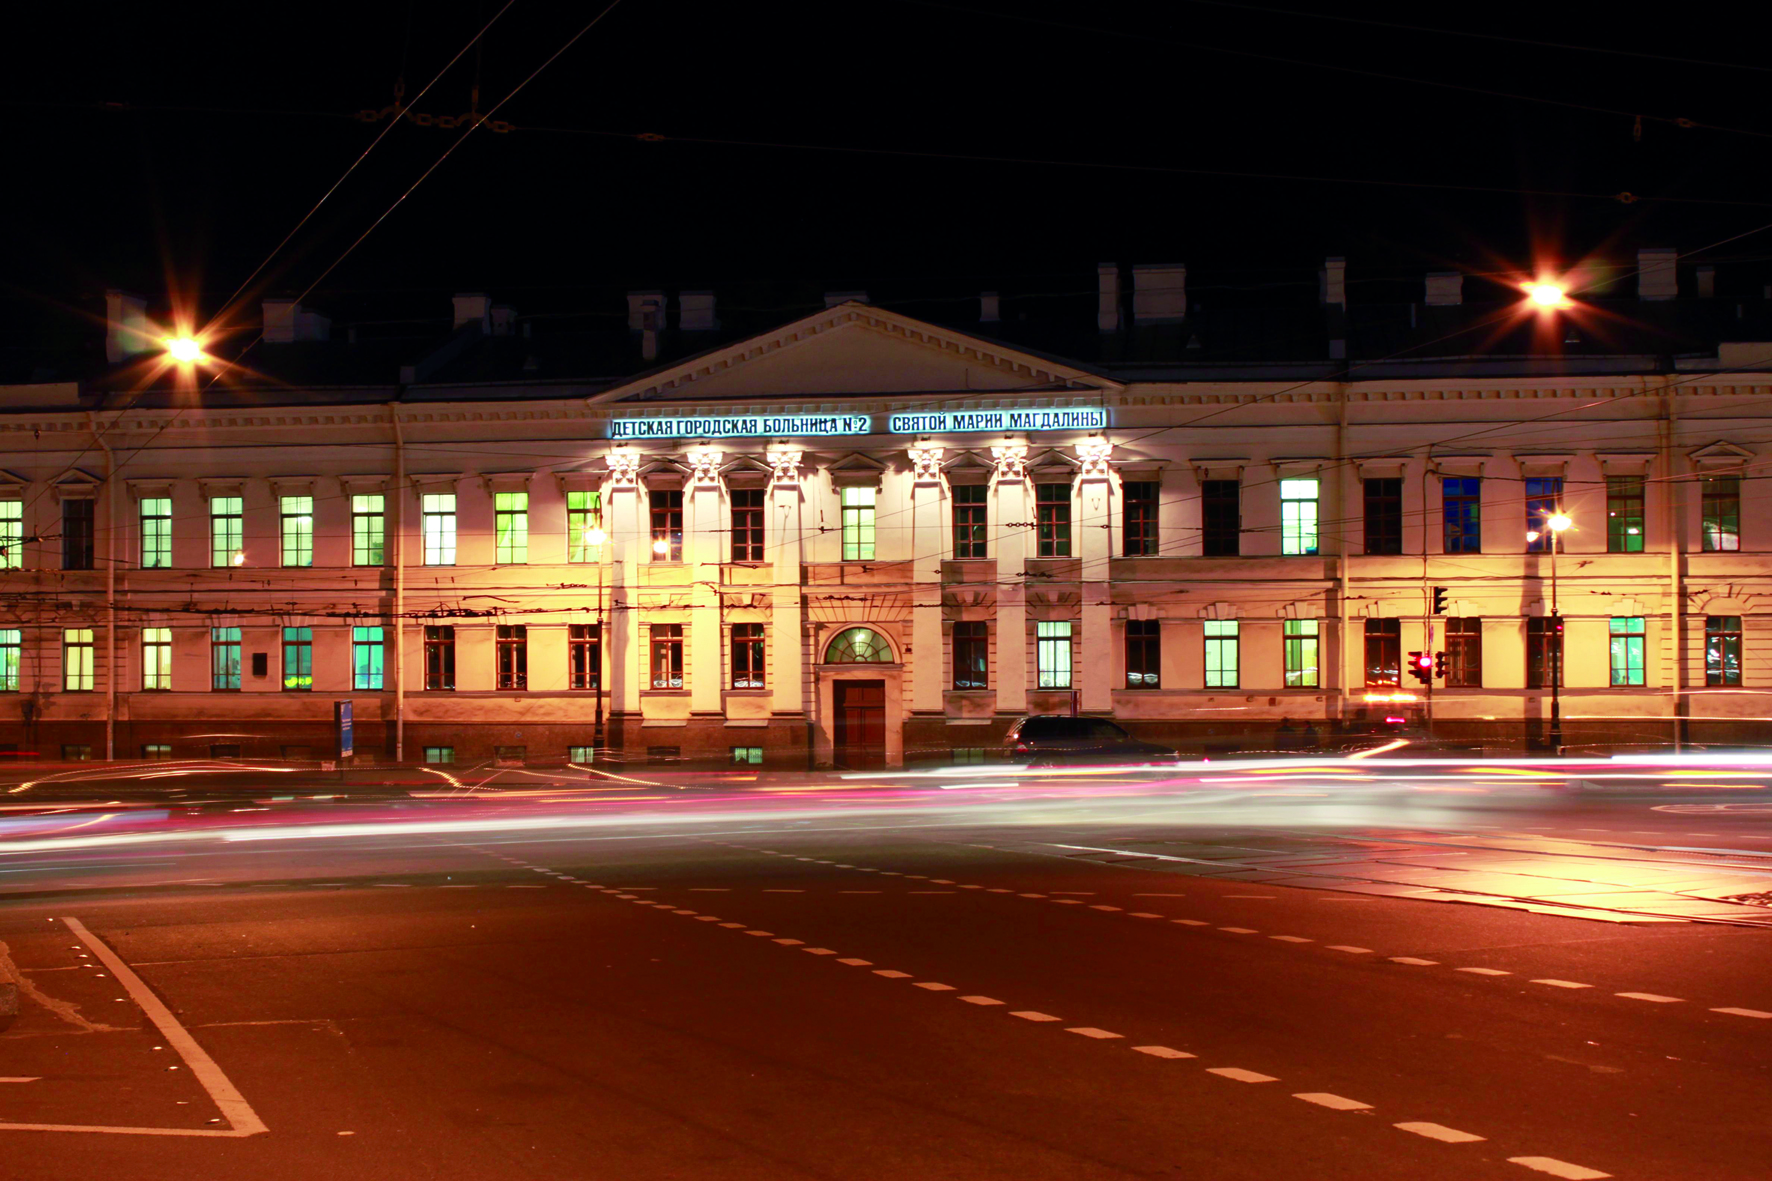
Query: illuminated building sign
(1092,418)
(772,425)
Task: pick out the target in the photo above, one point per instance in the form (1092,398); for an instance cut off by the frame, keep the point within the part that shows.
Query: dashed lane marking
(855,963)
(1437,1132)
(1561,983)
(1066,901)
(891,973)
(1033,1015)
(818,951)
(1091,1031)
(763,933)
(1291,938)
(1238,1074)
(1143,914)
(732,926)
(1162,1052)
(1654,998)
(1240,930)
(23,1079)
(1030,895)
(790,942)
(1557,1168)
(1191,922)
(1744,1013)
(1103,906)
(1414,960)
(934,986)
(1484,971)
(981,1000)
(1333,1102)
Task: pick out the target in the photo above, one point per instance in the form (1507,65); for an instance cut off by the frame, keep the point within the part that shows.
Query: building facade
(864,539)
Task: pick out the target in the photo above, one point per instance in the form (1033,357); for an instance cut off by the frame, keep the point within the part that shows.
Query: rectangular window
(156,658)
(858,524)
(224,750)
(972,654)
(1384,653)
(663,756)
(510,754)
(584,526)
(1052,513)
(513,656)
(747,756)
(1301,640)
(1627,649)
(156,519)
(667,656)
(76,752)
(1722,649)
(584,653)
(1384,515)
(227,531)
(156,752)
(1464,653)
(438,509)
(77,521)
(1221,518)
(1543,651)
(1624,514)
(12,534)
(667,524)
(1722,513)
(439,658)
(1144,654)
(511,520)
(1052,650)
(1462,503)
(1221,654)
(747,656)
(581,754)
(367,656)
(1138,521)
(224,658)
(1298,516)
(298,659)
(747,524)
(968,755)
(11,649)
(439,755)
(369,528)
(971,520)
(1544,500)
(297,514)
(77,659)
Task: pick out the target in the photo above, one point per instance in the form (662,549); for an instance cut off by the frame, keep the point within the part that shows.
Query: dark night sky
(99,196)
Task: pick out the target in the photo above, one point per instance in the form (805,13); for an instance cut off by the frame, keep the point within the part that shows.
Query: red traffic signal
(1421,666)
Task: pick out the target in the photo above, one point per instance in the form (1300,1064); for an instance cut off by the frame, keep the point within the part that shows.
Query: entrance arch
(860,678)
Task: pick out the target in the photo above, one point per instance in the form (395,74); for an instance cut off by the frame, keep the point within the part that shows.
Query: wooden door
(861,724)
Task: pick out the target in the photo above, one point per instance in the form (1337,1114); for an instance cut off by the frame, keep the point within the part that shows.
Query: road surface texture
(955,986)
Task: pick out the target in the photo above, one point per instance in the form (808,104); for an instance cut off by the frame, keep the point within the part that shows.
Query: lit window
(581,754)
(439,755)
(747,756)
(156,658)
(1221,653)
(858,524)
(1052,653)
(1144,654)
(368,529)
(1544,500)
(366,658)
(1301,639)
(511,520)
(298,659)
(667,524)
(858,645)
(1462,503)
(157,752)
(224,658)
(1722,650)
(12,534)
(156,519)
(1624,514)
(747,656)
(77,659)
(584,518)
(1722,513)
(298,530)
(226,530)
(667,656)
(1298,517)
(11,647)
(1627,649)
(439,528)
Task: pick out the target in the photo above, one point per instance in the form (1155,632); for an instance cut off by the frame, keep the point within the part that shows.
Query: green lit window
(12,534)
(1624,514)
(435,755)
(1221,653)
(1627,649)
(227,544)
(11,648)
(156,518)
(156,658)
(1298,518)
(77,659)
(439,528)
(511,519)
(224,658)
(298,530)
(747,756)
(298,659)
(1301,639)
(858,524)
(366,657)
(584,526)
(369,525)
(1052,653)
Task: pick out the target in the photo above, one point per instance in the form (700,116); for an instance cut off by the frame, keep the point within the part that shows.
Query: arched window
(858,645)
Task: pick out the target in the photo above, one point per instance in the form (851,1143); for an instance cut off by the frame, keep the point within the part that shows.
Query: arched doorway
(858,703)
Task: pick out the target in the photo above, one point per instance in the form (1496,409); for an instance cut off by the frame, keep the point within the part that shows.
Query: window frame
(1464,652)
(1052,519)
(1630,640)
(971,643)
(859,505)
(224,660)
(1622,492)
(749,670)
(12,534)
(664,507)
(368,658)
(1383,653)
(584,657)
(1544,659)
(1144,654)
(1543,499)
(290,529)
(1461,515)
(154,517)
(79,528)
(1054,660)
(1720,513)
(1382,514)
(664,648)
(511,657)
(439,657)
(79,671)
(437,523)
(584,512)
(1138,517)
(299,643)
(1298,524)
(971,521)
(1221,518)
(369,528)
(747,509)
(510,524)
(1722,640)
(227,531)
(1301,643)
(12,653)
(1222,637)
(156,648)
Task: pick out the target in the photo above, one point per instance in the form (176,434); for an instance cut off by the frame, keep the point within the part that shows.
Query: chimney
(1445,289)
(1707,282)
(1159,294)
(473,309)
(990,308)
(1107,297)
(833,298)
(695,312)
(1334,282)
(1656,278)
(504,320)
(127,331)
(645,310)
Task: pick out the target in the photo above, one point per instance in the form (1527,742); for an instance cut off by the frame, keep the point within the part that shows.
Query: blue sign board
(341,711)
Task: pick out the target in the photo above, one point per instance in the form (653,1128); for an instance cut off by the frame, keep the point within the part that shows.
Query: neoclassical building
(863,539)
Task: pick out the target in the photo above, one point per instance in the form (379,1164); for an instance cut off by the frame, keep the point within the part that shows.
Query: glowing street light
(1547,295)
(184,349)
(595,536)
(1556,523)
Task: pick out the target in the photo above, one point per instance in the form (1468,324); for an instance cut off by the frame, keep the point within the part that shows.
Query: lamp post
(1555,524)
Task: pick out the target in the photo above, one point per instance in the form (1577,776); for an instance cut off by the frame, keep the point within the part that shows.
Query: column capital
(1011,459)
(784,463)
(624,467)
(705,462)
(926,464)
(1093,453)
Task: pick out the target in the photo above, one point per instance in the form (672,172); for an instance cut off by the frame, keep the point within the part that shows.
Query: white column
(1095,547)
(785,542)
(629,543)
(928,548)
(1011,534)
(704,547)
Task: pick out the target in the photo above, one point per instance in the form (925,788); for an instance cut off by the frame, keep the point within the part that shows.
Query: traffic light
(1439,664)
(1439,600)
(1421,666)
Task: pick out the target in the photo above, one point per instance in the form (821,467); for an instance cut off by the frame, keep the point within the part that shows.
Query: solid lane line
(1437,1132)
(1557,1168)
(1333,1102)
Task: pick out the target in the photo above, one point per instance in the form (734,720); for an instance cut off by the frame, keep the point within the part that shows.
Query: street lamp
(1556,523)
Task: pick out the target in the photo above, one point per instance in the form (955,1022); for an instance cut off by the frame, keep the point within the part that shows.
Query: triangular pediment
(1720,454)
(855,350)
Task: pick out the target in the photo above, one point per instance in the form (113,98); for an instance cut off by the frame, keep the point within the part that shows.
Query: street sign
(341,712)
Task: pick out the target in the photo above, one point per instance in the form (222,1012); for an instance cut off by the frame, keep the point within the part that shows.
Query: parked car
(1049,739)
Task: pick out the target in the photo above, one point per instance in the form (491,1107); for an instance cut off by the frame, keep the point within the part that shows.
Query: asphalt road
(932,988)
